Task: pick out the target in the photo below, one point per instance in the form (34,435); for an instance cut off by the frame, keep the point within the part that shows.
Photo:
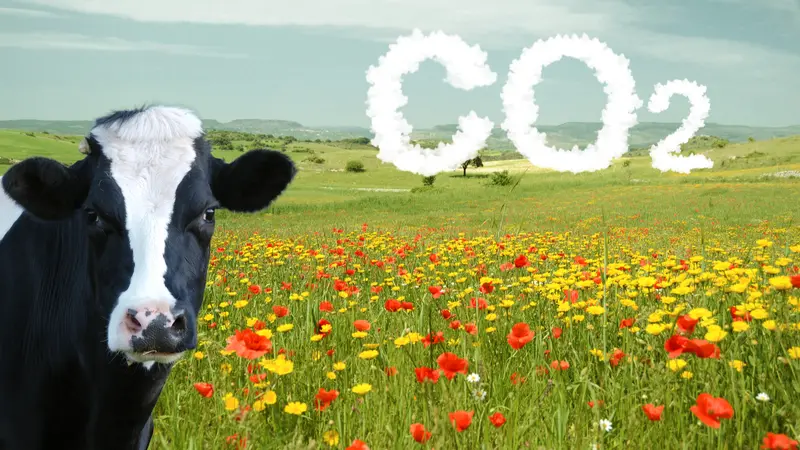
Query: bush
(501,178)
(355,166)
(315,159)
(428,181)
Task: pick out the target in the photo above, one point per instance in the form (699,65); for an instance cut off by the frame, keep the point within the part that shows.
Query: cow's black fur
(60,275)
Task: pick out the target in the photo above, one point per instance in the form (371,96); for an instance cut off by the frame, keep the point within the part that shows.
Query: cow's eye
(92,218)
(208,216)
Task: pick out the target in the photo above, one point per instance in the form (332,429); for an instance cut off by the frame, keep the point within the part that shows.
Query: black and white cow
(102,272)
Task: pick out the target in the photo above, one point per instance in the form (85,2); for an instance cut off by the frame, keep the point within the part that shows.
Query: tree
(474,162)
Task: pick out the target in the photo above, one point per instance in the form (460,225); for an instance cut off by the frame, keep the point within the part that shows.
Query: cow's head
(147,192)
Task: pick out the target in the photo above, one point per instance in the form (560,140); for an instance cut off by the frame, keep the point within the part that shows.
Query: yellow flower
(285,327)
(794,353)
(331,375)
(362,388)
(279,365)
(770,325)
(738,365)
(655,328)
(595,310)
(338,366)
(715,333)
(781,283)
(316,338)
(231,402)
(687,375)
(740,326)
(266,332)
(295,408)
(368,354)
(198,355)
(676,364)
(759,314)
(331,438)
(700,313)
(269,397)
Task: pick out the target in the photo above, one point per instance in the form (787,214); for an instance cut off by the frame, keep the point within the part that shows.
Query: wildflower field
(642,321)
(623,309)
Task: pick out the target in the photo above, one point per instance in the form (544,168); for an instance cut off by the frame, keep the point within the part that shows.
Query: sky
(306,60)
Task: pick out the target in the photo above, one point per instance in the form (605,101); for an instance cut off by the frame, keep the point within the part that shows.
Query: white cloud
(69,41)
(25,12)
(492,24)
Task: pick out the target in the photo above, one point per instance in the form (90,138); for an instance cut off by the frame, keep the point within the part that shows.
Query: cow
(103,270)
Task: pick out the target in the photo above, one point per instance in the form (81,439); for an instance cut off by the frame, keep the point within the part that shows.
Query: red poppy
(517,378)
(357,445)
(326,306)
(436,291)
(438,338)
(686,324)
(426,373)
(248,344)
(434,258)
(616,357)
(479,303)
(556,332)
(795,280)
(390,371)
(486,288)
(204,389)
(392,305)
(702,348)
(746,317)
(559,365)
(471,328)
(254,289)
(240,443)
(774,441)
(626,323)
(320,324)
(520,335)
(653,412)
(497,419)
(461,419)
(455,324)
(675,345)
(450,365)
(280,311)
(710,409)
(324,398)
(446,314)
(419,433)
(362,325)
(521,261)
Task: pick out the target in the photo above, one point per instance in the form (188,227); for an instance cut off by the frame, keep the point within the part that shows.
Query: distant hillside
(565,135)
(643,134)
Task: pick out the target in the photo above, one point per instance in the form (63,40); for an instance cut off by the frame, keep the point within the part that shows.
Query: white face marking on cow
(9,212)
(150,155)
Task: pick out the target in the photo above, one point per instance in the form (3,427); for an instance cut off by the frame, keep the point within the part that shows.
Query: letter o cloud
(466,69)
(521,110)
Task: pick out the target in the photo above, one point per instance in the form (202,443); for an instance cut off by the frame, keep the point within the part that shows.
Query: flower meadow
(434,338)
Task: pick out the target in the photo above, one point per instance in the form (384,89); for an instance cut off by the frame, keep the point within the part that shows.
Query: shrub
(355,166)
(315,159)
(501,178)
(428,181)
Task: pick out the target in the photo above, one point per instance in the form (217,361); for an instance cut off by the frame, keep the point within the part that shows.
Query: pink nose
(137,321)
(152,329)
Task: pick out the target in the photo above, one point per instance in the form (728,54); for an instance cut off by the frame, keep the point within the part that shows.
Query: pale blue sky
(305,60)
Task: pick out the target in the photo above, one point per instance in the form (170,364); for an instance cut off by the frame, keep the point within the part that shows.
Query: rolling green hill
(564,136)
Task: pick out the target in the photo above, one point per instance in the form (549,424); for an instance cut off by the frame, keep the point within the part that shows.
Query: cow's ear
(252,181)
(47,188)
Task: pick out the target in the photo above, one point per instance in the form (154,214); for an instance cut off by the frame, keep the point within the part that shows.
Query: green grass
(615,218)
